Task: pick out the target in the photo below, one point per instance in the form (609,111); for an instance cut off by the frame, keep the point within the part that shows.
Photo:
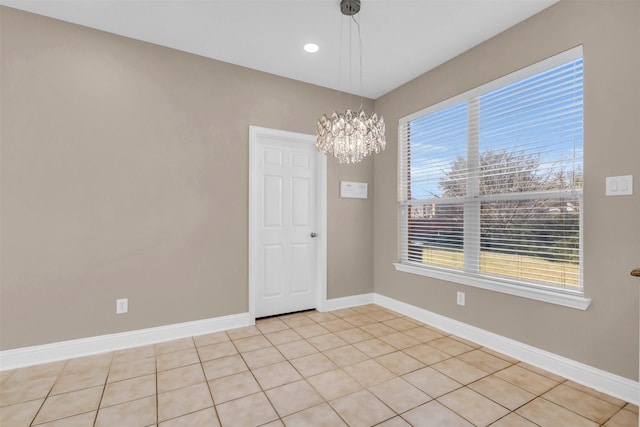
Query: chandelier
(351,136)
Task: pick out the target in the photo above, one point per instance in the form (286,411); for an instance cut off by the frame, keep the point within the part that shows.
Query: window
(491,182)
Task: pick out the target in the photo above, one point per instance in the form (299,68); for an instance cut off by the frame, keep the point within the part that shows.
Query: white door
(284,214)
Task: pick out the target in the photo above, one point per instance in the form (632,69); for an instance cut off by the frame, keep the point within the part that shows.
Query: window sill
(567,300)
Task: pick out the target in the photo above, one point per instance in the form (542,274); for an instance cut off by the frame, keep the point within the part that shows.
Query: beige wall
(606,335)
(124,173)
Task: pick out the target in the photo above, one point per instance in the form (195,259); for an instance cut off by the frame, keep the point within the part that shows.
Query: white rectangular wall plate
(619,185)
(353,190)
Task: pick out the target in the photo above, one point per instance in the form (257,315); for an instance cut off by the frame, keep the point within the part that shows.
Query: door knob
(635,272)
(313,234)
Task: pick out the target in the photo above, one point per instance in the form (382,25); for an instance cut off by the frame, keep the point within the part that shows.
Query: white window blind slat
(491,180)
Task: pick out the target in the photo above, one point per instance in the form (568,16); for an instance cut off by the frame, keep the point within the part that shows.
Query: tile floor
(361,366)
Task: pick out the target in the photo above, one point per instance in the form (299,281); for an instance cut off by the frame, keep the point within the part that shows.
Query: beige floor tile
(581,403)
(14,391)
(399,395)
(513,420)
(334,384)
(369,372)
(629,406)
(378,329)
(502,392)
(528,380)
(141,412)
(309,331)
(326,342)
(135,353)
(204,418)
(432,382)
(80,380)
(543,372)
(360,320)
(485,361)
(354,335)
(36,372)
(423,334)
(500,355)
(21,414)
(275,375)
(435,414)
(262,357)
(210,339)
(4,375)
(276,423)
(233,387)
(293,397)
(68,404)
(180,377)
(450,346)
(253,410)
(313,364)
(347,355)
(216,351)
(224,366)
(318,416)
(88,364)
(183,401)
(247,331)
(427,354)
(374,347)
(176,359)
(399,363)
(134,368)
(361,409)
(298,321)
(282,337)
(292,350)
(394,422)
(400,340)
(459,371)
(402,323)
(384,315)
(251,343)
(599,395)
(623,418)
(473,407)
(470,343)
(132,389)
(82,420)
(320,317)
(344,312)
(271,325)
(336,325)
(547,414)
(175,345)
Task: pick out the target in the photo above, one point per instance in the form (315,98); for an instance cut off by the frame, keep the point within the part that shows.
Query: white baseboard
(26,356)
(346,302)
(606,382)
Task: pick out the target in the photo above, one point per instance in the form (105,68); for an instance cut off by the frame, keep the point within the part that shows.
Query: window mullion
(472,203)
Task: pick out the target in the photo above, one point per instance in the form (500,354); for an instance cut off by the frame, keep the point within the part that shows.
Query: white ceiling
(402,39)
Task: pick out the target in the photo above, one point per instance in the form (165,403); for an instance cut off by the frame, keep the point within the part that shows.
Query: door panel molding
(262,134)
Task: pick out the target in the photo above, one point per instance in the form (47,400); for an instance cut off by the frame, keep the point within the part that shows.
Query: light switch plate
(619,185)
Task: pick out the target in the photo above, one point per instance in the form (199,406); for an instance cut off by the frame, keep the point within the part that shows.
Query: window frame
(565,297)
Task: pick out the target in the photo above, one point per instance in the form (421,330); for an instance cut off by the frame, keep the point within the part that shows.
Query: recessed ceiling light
(311,47)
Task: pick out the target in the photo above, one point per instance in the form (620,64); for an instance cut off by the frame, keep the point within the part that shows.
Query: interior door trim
(255,132)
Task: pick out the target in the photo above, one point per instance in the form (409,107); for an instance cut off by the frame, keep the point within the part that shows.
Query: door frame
(256,132)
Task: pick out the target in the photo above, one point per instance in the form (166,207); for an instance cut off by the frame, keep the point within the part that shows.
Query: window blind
(491,180)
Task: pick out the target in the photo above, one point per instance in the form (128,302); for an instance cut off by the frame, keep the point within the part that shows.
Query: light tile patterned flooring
(360,366)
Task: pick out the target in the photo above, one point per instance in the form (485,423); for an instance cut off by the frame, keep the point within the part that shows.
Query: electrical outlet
(122,305)
(460,298)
